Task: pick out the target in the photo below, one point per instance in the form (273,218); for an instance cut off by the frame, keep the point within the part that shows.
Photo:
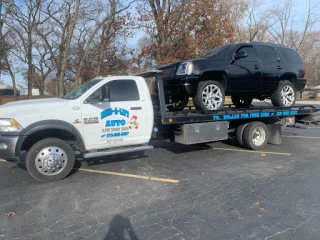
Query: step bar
(117,151)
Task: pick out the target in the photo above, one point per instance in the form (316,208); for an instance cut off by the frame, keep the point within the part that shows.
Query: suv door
(119,120)
(245,73)
(271,68)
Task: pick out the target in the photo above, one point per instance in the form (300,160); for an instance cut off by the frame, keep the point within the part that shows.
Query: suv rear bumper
(301,83)
(8,147)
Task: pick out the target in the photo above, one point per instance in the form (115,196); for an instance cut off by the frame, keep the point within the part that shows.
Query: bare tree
(5,7)
(255,22)
(24,18)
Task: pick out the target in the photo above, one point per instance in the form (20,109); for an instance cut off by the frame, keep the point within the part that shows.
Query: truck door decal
(118,127)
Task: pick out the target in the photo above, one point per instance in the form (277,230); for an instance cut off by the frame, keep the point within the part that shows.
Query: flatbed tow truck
(117,114)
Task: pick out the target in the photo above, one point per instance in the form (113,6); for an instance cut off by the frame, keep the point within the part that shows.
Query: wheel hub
(212,97)
(258,136)
(287,95)
(51,160)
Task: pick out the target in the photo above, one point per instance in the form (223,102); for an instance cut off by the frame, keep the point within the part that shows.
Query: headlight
(9,125)
(185,68)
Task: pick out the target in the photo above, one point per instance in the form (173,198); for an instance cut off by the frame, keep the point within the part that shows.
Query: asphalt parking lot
(207,191)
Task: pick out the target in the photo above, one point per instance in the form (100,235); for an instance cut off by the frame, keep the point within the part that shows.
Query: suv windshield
(220,51)
(81,90)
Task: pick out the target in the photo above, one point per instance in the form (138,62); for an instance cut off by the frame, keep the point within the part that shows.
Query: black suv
(241,70)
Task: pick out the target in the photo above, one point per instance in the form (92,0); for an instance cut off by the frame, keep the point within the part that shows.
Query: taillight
(304,70)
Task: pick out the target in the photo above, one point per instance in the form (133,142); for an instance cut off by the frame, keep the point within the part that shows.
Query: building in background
(7,90)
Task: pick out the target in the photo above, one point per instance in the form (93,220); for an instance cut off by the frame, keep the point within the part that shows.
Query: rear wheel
(255,136)
(50,159)
(210,96)
(241,101)
(285,95)
(239,134)
(178,105)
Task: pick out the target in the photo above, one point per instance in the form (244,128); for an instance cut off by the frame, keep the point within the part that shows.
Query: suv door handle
(256,67)
(279,67)
(136,108)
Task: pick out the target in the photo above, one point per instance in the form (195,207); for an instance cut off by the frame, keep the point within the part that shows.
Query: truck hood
(27,107)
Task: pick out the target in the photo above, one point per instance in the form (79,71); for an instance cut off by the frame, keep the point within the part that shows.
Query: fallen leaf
(261,209)
(279,167)
(202,173)
(9,214)
(117,187)
(263,155)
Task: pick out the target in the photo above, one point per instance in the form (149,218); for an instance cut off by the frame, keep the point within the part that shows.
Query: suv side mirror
(241,54)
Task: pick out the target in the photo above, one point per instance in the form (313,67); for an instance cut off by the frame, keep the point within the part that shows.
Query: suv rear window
(290,55)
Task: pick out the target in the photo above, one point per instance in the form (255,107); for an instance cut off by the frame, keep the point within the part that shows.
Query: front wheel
(285,95)
(50,159)
(210,96)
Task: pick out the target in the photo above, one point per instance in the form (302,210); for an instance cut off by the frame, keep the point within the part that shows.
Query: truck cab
(104,113)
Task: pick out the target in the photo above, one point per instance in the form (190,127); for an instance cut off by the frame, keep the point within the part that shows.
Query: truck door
(119,119)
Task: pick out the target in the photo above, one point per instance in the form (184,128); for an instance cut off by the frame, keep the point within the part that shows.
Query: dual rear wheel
(254,135)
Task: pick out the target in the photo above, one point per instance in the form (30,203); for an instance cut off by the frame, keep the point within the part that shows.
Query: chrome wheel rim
(51,160)
(287,96)
(258,136)
(212,97)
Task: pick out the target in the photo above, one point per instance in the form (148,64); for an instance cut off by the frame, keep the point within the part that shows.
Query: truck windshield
(81,90)
(221,51)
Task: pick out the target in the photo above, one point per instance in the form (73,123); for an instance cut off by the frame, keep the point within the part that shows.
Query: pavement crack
(292,228)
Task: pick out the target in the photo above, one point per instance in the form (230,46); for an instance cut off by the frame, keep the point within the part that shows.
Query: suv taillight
(304,70)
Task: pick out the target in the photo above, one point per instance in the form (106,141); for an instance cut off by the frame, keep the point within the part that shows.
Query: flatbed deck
(227,114)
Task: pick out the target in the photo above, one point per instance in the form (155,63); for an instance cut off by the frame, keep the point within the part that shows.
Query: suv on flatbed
(241,70)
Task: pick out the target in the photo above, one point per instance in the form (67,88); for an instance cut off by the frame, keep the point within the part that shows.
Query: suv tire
(285,95)
(210,96)
(241,101)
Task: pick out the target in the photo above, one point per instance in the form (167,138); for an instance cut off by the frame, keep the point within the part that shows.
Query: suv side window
(267,54)
(252,55)
(123,90)
(290,55)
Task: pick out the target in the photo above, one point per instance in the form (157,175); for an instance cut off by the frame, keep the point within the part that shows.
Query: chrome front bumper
(8,147)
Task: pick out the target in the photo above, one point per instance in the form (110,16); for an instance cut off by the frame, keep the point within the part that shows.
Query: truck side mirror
(240,54)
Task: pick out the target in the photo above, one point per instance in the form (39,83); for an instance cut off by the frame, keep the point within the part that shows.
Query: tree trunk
(66,49)
(29,59)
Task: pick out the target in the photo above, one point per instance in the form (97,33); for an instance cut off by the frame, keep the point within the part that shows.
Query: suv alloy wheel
(210,96)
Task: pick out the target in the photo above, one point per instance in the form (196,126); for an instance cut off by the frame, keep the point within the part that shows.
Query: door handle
(279,67)
(256,67)
(136,108)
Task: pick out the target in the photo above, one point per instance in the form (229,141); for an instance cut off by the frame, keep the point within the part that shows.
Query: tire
(214,101)
(241,101)
(239,134)
(285,95)
(255,136)
(38,156)
(178,106)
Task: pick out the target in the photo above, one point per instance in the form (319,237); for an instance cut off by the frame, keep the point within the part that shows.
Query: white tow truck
(117,114)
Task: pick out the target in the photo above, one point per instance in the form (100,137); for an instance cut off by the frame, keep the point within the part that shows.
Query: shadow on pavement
(120,225)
